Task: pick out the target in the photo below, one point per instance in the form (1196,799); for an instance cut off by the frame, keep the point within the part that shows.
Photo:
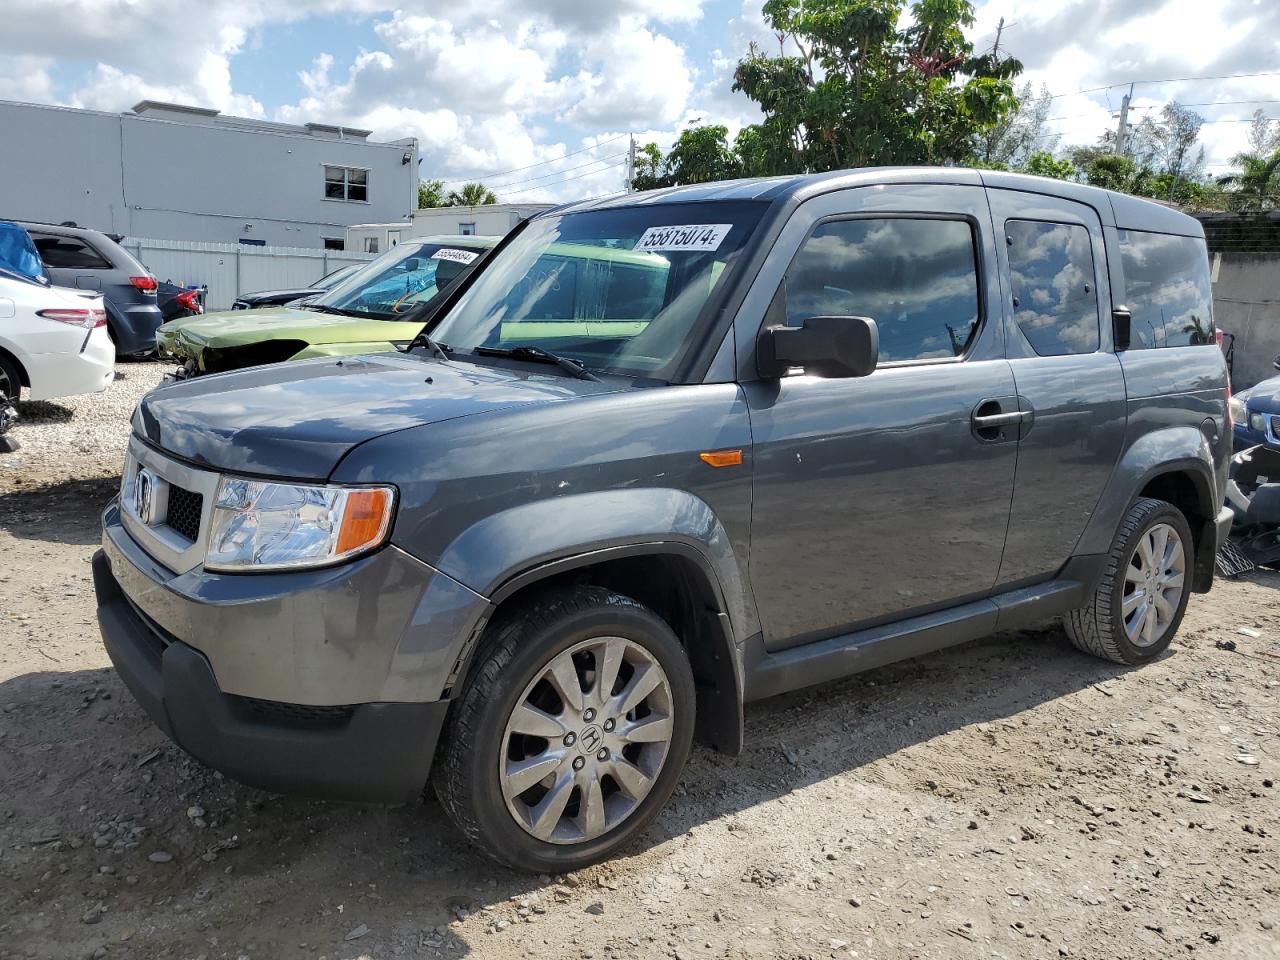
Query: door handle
(992,420)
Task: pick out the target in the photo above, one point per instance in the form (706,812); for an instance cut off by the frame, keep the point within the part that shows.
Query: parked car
(1256,414)
(176,302)
(53,341)
(89,260)
(278,298)
(373,310)
(867,415)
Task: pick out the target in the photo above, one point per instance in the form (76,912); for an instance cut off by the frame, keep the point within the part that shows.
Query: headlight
(1239,413)
(283,526)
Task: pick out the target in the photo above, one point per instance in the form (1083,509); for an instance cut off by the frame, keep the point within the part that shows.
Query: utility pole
(631,165)
(995,49)
(1122,131)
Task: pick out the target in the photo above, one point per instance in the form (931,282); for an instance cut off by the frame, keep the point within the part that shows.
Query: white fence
(230,269)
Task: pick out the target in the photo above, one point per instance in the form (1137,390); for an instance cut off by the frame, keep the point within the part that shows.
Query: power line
(1112,86)
(553,173)
(589,173)
(540,163)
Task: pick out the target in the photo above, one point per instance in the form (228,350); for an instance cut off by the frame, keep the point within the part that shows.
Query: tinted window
(1054,297)
(68,252)
(1167,290)
(917,279)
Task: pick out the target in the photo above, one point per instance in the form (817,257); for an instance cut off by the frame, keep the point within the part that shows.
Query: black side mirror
(824,347)
(1121,328)
(1276,363)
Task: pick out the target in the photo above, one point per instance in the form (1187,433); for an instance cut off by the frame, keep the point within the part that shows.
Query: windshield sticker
(457,256)
(694,237)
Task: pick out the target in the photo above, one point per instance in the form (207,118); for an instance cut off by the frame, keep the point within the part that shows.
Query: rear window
(1167,289)
(1054,300)
(69,252)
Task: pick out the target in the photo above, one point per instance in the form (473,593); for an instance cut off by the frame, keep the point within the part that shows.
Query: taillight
(87,318)
(1231,420)
(189,299)
(145,284)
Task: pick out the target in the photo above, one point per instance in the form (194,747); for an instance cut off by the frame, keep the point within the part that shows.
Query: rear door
(1071,390)
(881,497)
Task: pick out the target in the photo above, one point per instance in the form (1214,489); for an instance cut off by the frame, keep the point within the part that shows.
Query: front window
(408,274)
(346,183)
(619,290)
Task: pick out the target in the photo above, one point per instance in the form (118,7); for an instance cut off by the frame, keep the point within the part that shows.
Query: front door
(886,496)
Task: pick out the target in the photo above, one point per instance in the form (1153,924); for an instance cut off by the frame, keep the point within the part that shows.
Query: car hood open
(298,420)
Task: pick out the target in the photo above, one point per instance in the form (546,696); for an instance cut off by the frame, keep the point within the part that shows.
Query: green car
(360,315)
(370,312)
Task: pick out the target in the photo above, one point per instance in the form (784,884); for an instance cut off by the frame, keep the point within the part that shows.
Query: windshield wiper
(538,355)
(423,339)
(325,308)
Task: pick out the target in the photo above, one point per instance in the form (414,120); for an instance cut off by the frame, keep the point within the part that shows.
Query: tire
(10,379)
(481,746)
(1103,627)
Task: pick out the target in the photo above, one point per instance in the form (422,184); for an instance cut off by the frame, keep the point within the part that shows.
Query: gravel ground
(72,435)
(1012,798)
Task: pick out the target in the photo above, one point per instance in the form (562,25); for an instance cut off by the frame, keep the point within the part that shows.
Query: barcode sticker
(694,236)
(457,256)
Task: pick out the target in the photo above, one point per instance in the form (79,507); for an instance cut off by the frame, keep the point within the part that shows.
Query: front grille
(184,512)
(1275,426)
(239,305)
(298,712)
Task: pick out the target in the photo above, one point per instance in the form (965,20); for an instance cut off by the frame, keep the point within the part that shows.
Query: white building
(487,220)
(171,172)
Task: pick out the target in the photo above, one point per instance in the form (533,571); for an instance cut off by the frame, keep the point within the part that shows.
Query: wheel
(1137,606)
(570,734)
(10,379)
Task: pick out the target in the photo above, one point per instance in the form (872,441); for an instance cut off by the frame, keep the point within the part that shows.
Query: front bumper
(371,751)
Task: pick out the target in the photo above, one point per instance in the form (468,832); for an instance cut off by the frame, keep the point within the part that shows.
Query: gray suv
(89,260)
(658,456)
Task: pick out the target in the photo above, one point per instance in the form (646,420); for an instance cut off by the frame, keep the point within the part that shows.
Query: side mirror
(824,347)
(1276,363)
(1121,328)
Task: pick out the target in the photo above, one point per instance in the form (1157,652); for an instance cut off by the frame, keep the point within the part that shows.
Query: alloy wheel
(1153,584)
(586,740)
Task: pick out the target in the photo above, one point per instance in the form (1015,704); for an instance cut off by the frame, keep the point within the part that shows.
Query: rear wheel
(1140,601)
(572,732)
(10,379)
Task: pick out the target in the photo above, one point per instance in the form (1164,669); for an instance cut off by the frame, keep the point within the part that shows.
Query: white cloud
(24,77)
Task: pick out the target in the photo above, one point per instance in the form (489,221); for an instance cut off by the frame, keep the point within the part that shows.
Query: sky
(537,98)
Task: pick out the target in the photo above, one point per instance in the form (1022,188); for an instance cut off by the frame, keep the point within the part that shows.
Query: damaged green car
(370,312)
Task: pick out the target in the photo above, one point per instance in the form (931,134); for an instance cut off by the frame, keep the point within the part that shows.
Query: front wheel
(571,733)
(1138,605)
(10,380)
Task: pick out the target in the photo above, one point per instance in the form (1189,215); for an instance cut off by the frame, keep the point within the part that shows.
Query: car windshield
(617,290)
(412,272)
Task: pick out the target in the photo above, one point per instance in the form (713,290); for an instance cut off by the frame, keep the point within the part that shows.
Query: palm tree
(1257,185)
(471,195)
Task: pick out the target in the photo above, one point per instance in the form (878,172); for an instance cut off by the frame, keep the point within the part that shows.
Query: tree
(1044,164)
(1264,135)
(1020,134)
(1256,187)
(1167,144)
(430,194)
(471,195)
(701,155)
(862,89)
(647,174)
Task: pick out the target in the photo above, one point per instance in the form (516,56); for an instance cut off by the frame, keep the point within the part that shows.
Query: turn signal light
(722,458)
(365,520)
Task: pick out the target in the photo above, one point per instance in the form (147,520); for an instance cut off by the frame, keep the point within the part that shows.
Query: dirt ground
(1011,798)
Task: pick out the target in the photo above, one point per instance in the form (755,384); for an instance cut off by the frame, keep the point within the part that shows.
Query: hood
(298,420)
(1263,397)
(188,338)
(292,293)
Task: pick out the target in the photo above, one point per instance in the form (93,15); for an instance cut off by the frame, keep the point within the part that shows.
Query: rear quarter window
(1051,273)
(70,252)
(1167,289)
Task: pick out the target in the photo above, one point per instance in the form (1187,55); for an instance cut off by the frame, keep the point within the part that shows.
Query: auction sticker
(457,256)
(692,236)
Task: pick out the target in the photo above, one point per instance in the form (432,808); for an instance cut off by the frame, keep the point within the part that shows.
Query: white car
(53,340)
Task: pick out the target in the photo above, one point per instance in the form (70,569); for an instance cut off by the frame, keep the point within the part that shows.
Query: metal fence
(230,269)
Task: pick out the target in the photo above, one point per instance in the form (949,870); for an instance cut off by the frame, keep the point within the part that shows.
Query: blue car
(1256,414)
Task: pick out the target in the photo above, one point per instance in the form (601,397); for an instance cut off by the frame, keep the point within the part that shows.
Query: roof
(1114,209)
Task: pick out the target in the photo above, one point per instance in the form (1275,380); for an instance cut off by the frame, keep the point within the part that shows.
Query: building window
(467,229)
(335,243)
(346,183)
(370,244)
